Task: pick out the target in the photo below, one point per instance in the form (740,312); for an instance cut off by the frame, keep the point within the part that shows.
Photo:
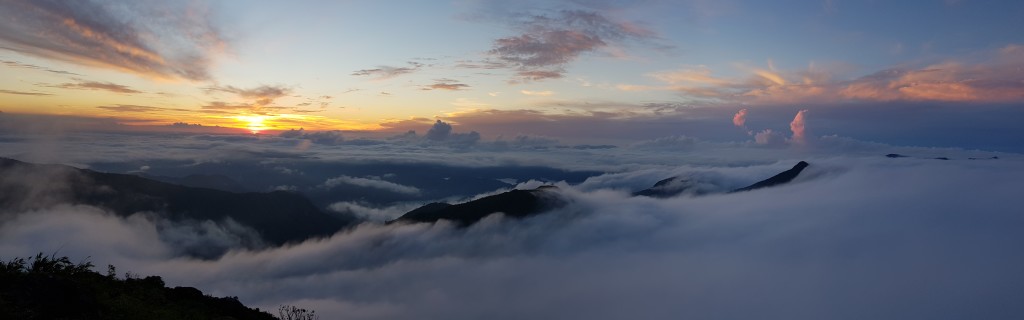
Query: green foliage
(47,287)
(296,313)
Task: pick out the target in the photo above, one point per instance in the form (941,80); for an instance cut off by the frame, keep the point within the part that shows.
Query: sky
(374,108)
(906,72)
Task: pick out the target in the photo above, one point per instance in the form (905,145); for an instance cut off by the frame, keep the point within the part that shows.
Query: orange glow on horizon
(254,123)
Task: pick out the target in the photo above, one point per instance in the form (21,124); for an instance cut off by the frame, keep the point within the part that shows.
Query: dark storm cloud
(152,38)
(96,85)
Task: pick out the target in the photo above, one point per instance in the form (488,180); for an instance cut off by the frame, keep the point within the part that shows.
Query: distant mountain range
(209,181)
(897,155)
(525,203)
(671,187)
(675,186)
(279,217)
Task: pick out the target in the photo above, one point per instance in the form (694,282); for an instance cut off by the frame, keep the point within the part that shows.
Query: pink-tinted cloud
(798,128)
(701,75)
(770,138)
(158,39)
(96,85)
(996,78)
(740,119)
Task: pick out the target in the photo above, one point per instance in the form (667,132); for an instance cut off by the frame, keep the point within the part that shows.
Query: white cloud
(370,213)
(852,237)
(545,93)
(373,182)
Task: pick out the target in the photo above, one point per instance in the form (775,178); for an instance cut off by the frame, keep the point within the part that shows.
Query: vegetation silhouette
(296,313)
(48,287)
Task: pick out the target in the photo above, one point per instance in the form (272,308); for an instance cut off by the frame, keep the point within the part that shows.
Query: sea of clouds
(857,235)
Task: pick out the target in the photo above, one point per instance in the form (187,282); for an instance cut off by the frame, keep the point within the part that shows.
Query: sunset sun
(254,123)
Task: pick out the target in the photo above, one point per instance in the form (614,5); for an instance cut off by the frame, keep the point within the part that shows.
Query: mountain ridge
(514,203)
(279,217)
(674,186)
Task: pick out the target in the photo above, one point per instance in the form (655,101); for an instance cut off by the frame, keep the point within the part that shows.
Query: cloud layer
(851,238)
(373,182)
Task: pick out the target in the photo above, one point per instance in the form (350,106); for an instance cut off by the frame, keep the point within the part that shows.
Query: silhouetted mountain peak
(669,188)
(515,203)
(781,178)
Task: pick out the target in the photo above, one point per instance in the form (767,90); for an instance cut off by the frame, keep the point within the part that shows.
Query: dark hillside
(56,288)
(279,217)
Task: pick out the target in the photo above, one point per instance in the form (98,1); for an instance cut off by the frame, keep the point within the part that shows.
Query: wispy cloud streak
(24,93)
(170,40)
(388,72)
(446,84)
(15,64)
(546,43)
(96,85)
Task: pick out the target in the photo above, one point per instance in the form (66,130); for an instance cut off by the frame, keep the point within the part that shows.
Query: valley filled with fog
(857,234)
